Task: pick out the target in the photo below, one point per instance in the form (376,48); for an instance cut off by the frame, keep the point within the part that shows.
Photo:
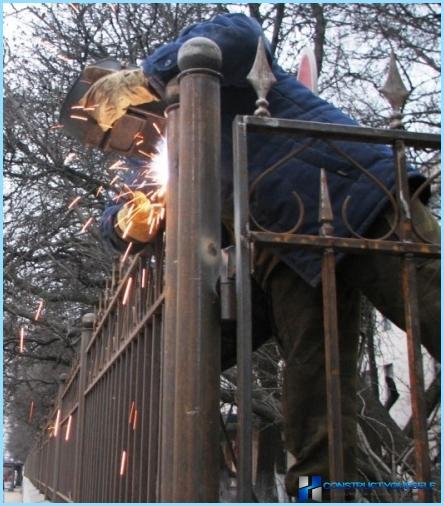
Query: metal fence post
(87,330)
(331,337)
(396,94)
(196,446)
(56,461)
(170,290)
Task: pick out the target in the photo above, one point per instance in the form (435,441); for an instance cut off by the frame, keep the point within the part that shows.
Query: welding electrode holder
(134,134)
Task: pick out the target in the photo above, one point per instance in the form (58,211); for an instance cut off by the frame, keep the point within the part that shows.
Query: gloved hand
(132,219)
(109,97)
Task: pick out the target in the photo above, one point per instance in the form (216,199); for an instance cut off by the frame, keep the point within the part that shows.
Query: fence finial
(261,78)
(88,320)
(199,52)
(395,92)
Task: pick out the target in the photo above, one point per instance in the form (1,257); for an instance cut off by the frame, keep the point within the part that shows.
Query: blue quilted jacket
(273,206)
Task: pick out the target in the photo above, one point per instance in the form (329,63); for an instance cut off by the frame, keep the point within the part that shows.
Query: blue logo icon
(310,489)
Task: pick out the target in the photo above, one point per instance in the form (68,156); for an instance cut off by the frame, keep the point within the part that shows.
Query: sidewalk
(15,497)
(25,494)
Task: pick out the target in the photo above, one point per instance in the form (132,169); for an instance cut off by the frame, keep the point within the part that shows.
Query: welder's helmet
(134,134)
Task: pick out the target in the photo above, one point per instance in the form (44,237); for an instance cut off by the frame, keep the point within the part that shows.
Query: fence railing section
(101,443)
(137,420)
(407,244)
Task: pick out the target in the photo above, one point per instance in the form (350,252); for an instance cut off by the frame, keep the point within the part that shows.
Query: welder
(290,280)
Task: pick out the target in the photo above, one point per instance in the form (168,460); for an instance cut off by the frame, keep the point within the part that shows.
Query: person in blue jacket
(291,279)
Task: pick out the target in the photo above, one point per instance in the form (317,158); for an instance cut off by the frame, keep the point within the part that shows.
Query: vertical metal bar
(135,427)
(107,431)
(87,327)
(101,423)
(132,357)
(118,424)
(144,439)
(196,445)
(170,288)
(412,328)
(154,409)
(123,432)
(93,428)
(243,296)
(57,440)
(331,337)
(396,94)
(114,416)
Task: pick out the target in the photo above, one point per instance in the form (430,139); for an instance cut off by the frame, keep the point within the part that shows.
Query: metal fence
(138,419)
(102,441)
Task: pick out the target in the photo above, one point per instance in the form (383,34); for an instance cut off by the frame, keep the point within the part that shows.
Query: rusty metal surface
(340,132)
(244,324)
(331,339)
(406,246)
(396,94)
(119,354)
(262,79)
(169,336)
(196,442)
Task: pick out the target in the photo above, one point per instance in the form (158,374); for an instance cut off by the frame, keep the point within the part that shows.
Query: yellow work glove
(132,220)
(110,96)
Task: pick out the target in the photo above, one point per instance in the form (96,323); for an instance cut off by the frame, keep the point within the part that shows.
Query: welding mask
(133,135)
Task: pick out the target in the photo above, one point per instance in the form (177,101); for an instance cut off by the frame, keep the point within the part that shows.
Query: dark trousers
(298,320)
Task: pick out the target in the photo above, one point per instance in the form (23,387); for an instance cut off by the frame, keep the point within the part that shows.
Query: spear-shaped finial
(261,78)
(395,92)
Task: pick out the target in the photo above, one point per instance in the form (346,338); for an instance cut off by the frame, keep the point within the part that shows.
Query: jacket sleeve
(237,36)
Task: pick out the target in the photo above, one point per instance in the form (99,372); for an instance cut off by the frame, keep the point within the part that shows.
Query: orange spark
(135,420)
(57,423)
(74,202)
(74,116)
(161,192)
(74,8)
(128,189)
(99,191)
(39,310)
(31,411)
(119,165)
(57,125)
(157,129)
(68,428)
(132,409)
(125,256)
(127,291)
(127,229)
(143,277)
(151,227)
(22,340)
(123,463)
(162,213)
(149,155)
(86,225)
(114,180)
